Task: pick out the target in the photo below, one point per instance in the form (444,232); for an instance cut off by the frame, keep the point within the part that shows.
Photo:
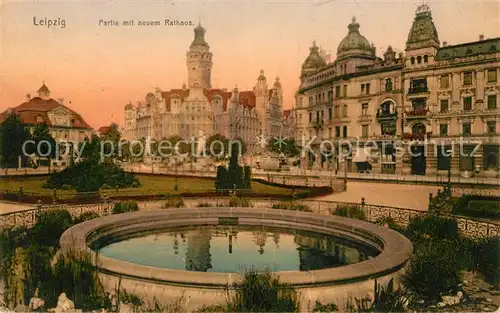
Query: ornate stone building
(198,108)
(65,124)
(426,100)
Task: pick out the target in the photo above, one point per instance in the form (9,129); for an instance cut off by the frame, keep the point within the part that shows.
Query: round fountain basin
(326,258)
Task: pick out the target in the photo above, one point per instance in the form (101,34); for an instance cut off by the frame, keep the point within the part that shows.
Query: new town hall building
(447,95)
(198,109)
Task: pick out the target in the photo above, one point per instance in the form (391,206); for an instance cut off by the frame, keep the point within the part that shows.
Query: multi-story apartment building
(198,109)
(65,124)
(431,98)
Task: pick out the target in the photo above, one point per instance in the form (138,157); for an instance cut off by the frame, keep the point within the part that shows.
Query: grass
(149,185)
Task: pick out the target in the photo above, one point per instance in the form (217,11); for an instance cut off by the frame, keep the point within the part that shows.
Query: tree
(44,142)
(91,149)
(217,145)
(242,143)
(112,139)
(286,146)
(12,137)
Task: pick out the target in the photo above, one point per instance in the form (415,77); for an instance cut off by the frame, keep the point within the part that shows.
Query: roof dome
(314,61)
(354,42)
(199,37)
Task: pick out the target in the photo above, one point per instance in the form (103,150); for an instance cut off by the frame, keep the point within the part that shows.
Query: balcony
(418,89)
(417,136)
(387,116)
(417,113)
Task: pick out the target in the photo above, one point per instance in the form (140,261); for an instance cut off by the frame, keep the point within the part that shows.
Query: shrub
(66,187)
(263,292)
(174,202)
(324,308)
(433,270)
(389,221)
(86,216)
(437,227)
(247,177)
(125,206)
(351,211)
(221,179)
(485,253)
(477,206)
(292,206)
(106,186)
(75,275)
(50,226)
(235,202)
(388,299)
(204,205)
(130,298)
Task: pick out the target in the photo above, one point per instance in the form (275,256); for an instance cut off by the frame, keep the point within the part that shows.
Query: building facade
(65,124)
(399,112)
(199,110)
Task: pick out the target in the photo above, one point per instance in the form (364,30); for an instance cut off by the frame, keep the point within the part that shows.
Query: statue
(202,141)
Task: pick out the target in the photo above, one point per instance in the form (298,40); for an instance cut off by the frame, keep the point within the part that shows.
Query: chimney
(28,97)
(61,101)
(481,37)
(445,43)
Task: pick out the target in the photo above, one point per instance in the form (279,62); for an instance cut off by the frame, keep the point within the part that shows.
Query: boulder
(36,304)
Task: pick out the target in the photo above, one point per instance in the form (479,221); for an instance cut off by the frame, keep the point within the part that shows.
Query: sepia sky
(101,68)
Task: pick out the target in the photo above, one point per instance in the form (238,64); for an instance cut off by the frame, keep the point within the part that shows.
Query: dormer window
(412,60)
(39,119)
(426,59)
(419,60)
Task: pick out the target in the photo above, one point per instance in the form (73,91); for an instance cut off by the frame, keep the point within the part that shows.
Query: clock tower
(199,61)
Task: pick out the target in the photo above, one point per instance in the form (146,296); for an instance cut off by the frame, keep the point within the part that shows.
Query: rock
(36,303)
(441,305)
(465,282)
(451,300)
(460,295)
(421,301)
(125,308)
(489,300)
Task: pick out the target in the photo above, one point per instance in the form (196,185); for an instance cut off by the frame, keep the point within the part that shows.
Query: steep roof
(38,108)
(469,49)
(247,99)
(286,113)
(103,130)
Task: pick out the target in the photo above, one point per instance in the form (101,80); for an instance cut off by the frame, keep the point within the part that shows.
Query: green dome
(354,42)
(314,61)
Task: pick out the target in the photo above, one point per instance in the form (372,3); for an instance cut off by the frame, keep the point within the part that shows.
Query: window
(362,88)
(330,95)
(330,114)
(364,109)
(412,60)
(467,158)
(426,59)
(345,91)
(318,116)
(300,102)
(443,158)
(368,88)
(388,84)
(444,105)
(419,59)
(467,78)
(364,131)
(310,100)
(466,128)
(443,129)
(492,76)
(491,127)
(344,110)
(337,131)
(444,81)
(330,132)
(388,128)
(345,131)
(419,104)
(492,102)
(491,160)
(336,113)
(337,91)
(467,103)
(310,117)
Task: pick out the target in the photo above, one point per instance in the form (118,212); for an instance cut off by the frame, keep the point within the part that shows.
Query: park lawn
(149,185)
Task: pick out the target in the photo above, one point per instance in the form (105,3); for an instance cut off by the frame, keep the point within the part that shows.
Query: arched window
(426,59)
(418,128)
(419,59)
(412,60)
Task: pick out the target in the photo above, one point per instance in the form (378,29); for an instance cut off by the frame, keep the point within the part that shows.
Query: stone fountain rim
(395,252)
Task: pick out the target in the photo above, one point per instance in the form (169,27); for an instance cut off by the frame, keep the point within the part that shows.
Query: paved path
(7,207)
(397,195)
